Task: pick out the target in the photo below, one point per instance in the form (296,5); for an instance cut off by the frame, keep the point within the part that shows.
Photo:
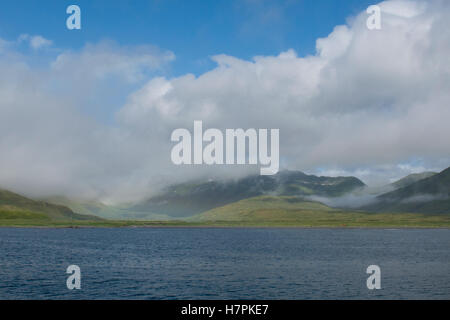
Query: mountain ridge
(187,199)
(412,178)
(429,195)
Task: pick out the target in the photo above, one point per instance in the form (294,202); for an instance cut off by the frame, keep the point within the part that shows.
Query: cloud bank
(366,101)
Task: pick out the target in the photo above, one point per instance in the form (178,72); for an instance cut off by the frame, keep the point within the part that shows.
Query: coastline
(171,225)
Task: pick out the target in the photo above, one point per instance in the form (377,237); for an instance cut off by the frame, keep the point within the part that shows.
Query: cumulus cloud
(366,102)
(366,98)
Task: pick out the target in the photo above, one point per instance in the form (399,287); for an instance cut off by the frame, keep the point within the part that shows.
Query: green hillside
(267,208)
(429,196)
(262,211)
(294,212)
(186,199)
(14,206)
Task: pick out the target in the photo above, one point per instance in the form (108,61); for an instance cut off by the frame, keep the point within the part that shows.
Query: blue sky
(193,30)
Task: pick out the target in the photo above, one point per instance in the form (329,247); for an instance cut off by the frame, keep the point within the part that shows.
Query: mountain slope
(186,199)
(430,195)
(15,206)
(412,178)
(287,211)
(263,208)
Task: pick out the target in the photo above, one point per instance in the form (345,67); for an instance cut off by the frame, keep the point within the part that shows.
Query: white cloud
(35,42)
(107,58)
(366,102)
(367,97)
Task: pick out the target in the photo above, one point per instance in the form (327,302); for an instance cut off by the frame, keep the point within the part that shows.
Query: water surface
(215,263)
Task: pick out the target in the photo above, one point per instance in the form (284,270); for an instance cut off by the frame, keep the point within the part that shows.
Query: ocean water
(221,263)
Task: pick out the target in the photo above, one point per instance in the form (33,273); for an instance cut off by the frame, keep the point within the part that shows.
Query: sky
(88,113)
(194,30)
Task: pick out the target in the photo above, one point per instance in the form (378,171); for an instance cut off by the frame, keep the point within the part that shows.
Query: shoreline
(215,226)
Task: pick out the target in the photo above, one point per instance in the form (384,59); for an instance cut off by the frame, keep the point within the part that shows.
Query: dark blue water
(183,263)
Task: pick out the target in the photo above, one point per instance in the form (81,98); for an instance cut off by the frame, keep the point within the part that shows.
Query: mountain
(187,199)
(430,195)
(15,206)
(410,179)
(401,183)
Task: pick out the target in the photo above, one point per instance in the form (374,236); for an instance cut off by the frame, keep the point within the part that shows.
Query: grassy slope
(263,211)
(288,211)
(268,208)
(17,207)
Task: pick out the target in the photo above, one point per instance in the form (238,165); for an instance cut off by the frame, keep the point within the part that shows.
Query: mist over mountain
(195,197)
(428,195)
(410,179)
(369,195)
(413,193)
